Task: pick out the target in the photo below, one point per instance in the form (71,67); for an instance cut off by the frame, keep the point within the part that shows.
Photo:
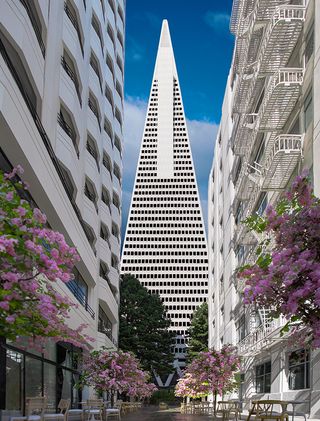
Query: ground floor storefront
(283,373)
(54,373)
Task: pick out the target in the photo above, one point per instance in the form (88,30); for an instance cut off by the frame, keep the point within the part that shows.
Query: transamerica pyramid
(165,244)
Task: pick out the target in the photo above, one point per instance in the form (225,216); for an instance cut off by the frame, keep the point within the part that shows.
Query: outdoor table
(294,404)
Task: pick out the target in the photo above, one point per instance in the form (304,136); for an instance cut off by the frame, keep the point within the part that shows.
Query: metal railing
(72,76)
(30,11)
(264,336)
(94,109)
(281,96)
(95,68)
(103,328)
(69,131)
(93,153)
(80,296)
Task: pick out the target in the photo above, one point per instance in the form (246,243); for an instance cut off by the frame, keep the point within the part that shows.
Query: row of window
(165,225)
(166,269)
(165,253)
(298,372)
(175,284)
(183,299)
(172,275)
(188,211)
(187,261)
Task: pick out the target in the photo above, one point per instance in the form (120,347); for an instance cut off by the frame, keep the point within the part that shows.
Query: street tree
(144,326)
(198,332)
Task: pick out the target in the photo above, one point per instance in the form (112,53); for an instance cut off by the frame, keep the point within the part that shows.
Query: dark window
(262,204)
(299,369)
(263,377)
(309,48)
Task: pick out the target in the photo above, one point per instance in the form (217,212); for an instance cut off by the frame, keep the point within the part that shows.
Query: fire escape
(266,93)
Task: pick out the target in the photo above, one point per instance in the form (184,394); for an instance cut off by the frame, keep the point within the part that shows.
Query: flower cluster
(116,371)
(210,372)
(32,259)
(287,280)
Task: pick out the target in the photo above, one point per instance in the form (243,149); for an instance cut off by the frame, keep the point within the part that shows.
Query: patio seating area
(91,410)
(260,410)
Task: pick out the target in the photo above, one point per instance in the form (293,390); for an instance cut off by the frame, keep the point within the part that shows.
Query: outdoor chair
(114,412)
(269,410)
(34,410)
(75,413)
(94,409)
(226,408)
(63,407)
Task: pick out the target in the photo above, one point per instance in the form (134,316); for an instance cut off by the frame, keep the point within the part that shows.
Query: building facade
(165,245)
(269,132)
(61,119)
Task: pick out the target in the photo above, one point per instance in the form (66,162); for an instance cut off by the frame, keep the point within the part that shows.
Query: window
(308,110)
(104,323)
(96,68)
(107,162)
(92,149)
(72,15)
(299,369)
(70,68)
(263,377)
(96,27)
(241,328)
(93,105)
(105,196)
(89,191)
(262,204)
(108,128)
(66,123)
(309,48)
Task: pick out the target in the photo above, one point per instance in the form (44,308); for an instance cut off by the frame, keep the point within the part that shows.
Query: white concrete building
(269,132)
(61,118)
(165,244)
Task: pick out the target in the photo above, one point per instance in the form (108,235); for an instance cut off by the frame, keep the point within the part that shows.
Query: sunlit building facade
(61,119)
(269,132)
(165,244)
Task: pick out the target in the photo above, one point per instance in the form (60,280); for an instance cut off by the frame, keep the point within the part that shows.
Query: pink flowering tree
(32,259)
(287,279)
(212,372)
(116,371)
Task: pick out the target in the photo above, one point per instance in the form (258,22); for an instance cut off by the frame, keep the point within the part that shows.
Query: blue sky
(203,47)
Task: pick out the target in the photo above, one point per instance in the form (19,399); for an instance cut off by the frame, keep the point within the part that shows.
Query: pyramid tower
(165,244)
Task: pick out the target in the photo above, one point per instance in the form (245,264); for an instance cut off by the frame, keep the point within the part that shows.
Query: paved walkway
(152,413)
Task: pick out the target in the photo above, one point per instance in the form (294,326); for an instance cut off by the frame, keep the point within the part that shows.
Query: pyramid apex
(165,39)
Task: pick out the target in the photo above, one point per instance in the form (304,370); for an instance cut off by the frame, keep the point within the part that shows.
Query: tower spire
(165,244)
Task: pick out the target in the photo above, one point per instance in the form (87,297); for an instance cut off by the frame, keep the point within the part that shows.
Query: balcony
(80,296)
(34,22)
(281,96)
(281,161)
(240,10)
(261,338)
(70,72)
(242,136)
(280,37)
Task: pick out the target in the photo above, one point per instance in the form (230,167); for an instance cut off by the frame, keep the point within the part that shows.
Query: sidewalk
(152,413)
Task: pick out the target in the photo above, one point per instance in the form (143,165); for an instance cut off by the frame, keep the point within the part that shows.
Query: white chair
(75,413)
(94,408)
(63,408)
(114,412)
(34,410)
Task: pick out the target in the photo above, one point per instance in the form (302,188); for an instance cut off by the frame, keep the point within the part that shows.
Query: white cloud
(202,136)
(218,21)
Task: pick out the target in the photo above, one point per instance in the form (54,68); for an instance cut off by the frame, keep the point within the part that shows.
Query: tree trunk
(2,373)
(215,403)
